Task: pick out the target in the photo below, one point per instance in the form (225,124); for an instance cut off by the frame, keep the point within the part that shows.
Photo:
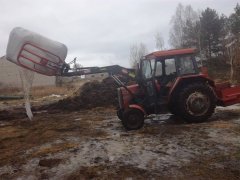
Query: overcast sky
(98,32)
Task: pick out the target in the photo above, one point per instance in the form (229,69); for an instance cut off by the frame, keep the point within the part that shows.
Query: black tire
(173,110)
(133,119)
(196,103)
(120,114)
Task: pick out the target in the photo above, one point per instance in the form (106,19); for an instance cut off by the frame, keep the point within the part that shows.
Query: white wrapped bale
(35,52)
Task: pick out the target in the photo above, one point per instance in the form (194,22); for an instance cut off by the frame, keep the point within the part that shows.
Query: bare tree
(232,44)
(159,41)
(183,32)
(176,32)
(233,51)
(137,51)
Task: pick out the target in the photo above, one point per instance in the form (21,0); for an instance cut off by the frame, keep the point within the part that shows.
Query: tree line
(212,33)
(207,31)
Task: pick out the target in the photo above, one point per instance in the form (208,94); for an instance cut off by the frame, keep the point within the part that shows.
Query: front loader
(165,80)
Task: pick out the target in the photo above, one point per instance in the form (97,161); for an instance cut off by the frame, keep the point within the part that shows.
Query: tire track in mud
(163,148)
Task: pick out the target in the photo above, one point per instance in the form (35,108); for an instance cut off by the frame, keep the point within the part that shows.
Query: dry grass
(43,91)
(10,91)
(40,91)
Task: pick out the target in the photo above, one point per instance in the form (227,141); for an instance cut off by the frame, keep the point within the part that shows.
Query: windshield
(147,68)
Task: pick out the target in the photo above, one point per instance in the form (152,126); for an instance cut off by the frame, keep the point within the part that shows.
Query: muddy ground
(92,144)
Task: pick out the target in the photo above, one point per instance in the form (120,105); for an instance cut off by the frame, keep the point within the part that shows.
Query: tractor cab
(159,71)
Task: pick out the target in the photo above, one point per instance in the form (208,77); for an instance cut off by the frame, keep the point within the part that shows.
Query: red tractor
(171,80)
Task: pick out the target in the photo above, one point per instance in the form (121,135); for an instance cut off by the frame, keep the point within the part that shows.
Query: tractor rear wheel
(133,119)
(196,103)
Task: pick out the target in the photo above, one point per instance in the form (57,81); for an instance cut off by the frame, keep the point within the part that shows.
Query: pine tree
(211,28)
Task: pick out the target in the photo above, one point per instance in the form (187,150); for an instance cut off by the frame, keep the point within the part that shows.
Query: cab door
(148,81)
(166,74)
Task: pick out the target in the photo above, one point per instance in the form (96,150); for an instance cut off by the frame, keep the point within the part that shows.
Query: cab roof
(170,53)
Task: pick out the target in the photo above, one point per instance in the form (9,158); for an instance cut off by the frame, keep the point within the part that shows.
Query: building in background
(79,80)
(10,76)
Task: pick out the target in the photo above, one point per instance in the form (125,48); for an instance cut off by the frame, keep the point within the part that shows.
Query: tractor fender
(135,106)
(182,81)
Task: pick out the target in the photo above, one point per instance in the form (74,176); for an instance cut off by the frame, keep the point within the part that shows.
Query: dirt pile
(90,95)
(17,113)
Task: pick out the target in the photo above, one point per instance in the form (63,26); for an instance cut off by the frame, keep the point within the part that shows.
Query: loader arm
(114,70)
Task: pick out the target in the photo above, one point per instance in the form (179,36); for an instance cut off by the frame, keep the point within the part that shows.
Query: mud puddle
(92,144)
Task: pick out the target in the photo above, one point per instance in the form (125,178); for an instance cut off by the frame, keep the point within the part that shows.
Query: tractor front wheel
(133,119)
(196,103)
(120,114)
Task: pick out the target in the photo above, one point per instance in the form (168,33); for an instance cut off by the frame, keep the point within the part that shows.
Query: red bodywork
(228,94)
(125,96)
(170,53)
(225,93)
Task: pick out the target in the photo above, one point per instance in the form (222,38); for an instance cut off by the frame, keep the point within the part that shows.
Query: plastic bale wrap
(35,52)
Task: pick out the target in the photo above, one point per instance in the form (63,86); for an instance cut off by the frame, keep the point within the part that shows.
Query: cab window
(186,65)
(170,66)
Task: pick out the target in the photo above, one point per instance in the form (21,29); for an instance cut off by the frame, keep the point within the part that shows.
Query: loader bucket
(35,52)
